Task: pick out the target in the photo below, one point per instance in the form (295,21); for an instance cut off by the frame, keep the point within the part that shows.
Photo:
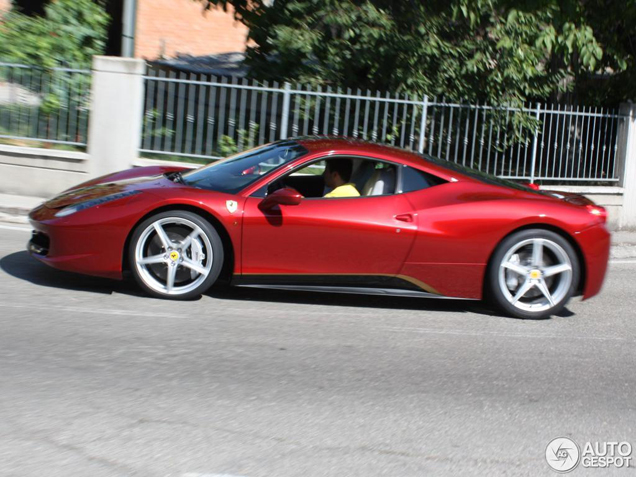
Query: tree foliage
(69,34)
(500,51)
(614,26)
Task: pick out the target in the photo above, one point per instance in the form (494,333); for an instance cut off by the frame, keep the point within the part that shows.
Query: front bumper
(39,244)
(82,243)
(595,244)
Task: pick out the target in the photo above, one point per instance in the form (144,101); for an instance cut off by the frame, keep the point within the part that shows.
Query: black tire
(496,274)
(177,223)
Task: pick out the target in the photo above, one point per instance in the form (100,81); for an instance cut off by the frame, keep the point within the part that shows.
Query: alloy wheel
(535,275)
(173,256)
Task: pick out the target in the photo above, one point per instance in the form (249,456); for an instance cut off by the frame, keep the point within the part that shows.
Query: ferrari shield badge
(231,206)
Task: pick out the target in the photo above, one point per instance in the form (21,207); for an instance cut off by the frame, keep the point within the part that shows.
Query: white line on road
(502,334)
(195,474)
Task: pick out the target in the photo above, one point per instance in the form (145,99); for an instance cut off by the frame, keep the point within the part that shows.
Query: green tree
(500,51)
(69,34)
(614,26)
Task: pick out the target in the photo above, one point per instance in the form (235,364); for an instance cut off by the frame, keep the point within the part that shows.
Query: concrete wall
(40,172)
(117,93)
(611,198)
(627,161)
(166,28)
(114,130)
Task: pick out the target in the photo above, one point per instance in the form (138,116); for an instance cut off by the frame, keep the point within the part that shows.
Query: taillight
(598,211)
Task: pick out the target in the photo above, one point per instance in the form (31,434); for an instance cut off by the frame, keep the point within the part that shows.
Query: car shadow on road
(379,302)
(22,266)
(364,301)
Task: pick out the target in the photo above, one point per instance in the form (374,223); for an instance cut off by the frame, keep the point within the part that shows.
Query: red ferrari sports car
(416,226)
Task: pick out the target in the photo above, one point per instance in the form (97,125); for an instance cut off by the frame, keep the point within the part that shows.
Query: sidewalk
(623,245)
(15,208)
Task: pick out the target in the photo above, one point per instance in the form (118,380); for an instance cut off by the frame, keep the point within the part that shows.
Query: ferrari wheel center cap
(535,274)
(174,255)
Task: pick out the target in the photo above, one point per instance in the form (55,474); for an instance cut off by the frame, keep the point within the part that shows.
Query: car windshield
(234,173)
(479,175)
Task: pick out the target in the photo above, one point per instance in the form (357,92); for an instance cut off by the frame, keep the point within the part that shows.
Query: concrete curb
(12,218)
(623,251)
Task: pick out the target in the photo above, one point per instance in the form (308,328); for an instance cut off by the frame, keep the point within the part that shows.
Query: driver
(337,175)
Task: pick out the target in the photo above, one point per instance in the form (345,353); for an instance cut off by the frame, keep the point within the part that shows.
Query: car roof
(353,146)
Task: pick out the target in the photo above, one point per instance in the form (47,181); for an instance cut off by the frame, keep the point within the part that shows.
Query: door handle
(404,217)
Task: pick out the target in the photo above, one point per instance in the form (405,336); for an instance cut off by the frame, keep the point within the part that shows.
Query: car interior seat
(362,171)
(381,182)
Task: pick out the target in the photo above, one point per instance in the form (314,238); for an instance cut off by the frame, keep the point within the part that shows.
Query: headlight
(71,209)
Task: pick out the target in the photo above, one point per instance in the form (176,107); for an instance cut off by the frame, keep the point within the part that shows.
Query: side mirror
(286,196)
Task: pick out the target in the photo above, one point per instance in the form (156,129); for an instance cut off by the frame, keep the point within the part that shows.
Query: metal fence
(209,118)
(202,117)
(46,105)
(565,143)
(206,118)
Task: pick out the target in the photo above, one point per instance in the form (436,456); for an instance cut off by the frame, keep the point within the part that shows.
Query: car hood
(97,191)
(138,178)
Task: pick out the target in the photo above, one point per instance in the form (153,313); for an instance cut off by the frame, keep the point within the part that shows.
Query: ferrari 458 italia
(410,225)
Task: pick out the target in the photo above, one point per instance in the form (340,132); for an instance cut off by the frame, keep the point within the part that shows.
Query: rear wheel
(533,274)
(175,254)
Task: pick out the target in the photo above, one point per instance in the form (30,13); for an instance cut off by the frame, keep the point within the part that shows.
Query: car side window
(313,169)
(370,178)
(414,179)
(308,180)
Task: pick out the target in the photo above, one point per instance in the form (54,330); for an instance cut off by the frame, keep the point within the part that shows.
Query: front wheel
(533,273)
(175,254)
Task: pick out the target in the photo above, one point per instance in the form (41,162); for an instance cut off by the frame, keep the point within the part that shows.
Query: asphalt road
(98,380)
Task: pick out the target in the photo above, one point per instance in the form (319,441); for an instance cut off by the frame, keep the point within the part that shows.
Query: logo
(563,454)
(174,256)
(231,205)
(607,454)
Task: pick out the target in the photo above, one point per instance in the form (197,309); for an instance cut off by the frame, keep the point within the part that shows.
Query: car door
(328,236)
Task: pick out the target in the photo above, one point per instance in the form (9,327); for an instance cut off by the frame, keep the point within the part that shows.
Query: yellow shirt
(345,190)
